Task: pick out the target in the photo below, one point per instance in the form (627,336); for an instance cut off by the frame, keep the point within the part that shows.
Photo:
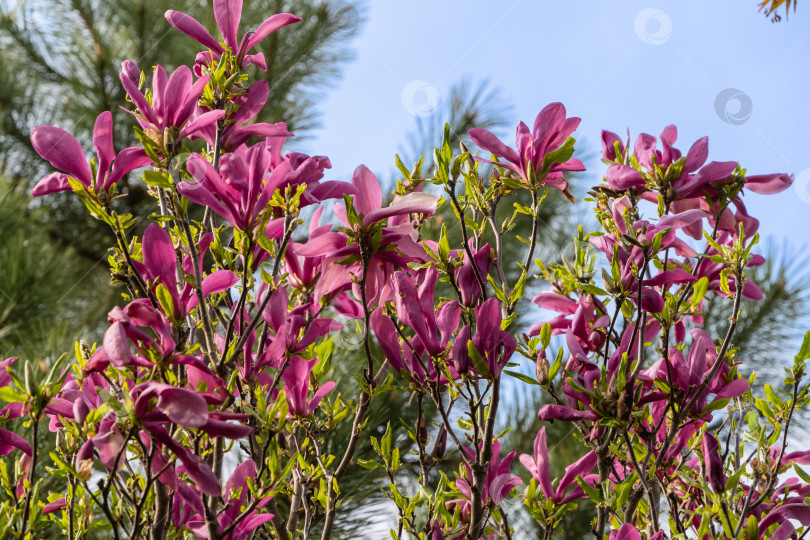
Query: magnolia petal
(10,440)
(561,412)
(219,281)
(734,389)
(55,506)
(627,532)
(620,176)
(412,203)
(388,338)
(270,25)
(159,256)
(332,189)
(63,151)
(555,302)
(543,467)
(677,275)
(227,14)
(116,345)
(322,245)
(581,467)
(138,99)
(204,120)
(713,463)
(199,195)
(103,142)
(53,183)
(220,428)
(126,161)
(489,142)
(768,184)
(184,407)
(319,395)
(193,29)
(369,193)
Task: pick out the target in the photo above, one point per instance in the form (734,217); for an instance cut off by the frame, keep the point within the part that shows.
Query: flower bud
(29,379)
(84,460)
(441,444)
(461,357)
(80,410)
(541,368)
(713,463)
(421,431)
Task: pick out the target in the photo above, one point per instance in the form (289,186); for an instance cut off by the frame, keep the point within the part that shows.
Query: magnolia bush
(233,294)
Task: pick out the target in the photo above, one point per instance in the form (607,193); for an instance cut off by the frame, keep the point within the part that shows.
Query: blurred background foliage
(59,64)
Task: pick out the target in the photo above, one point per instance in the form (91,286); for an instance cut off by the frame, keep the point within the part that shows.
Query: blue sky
(618,65)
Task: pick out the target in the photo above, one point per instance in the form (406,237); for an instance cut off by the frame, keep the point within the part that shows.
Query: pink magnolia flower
(237,129)
(493,345)
(296,387)
(538,467)
(688,374)
(713,463)
(247,180)
(465,274)
(228,13)
(236,493)
(64,152)
(294,330)
(550,133)
(160,267)
(8,439)
(695,186)
(396,245)
(498,481)
(629,532)
(586,323)
(783,515)
(433,327)
(174,103)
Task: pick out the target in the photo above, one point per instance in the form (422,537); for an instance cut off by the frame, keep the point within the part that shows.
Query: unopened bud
(541,368)
(421,431)
(441,444)
(80,411)
(29,379)
(469,163)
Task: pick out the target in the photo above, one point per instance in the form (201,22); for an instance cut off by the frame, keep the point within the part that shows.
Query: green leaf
(164,298)
(715,405)
(804,352)
(698,292)
(157,179)
(545,335)
(522,377)
(9,395)
(752,529)
(368,464)
(477,361)
(386,442)
(593,493)
(802,473)
(771,395)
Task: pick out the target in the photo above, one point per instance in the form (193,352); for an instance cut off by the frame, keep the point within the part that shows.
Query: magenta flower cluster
(222,351)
